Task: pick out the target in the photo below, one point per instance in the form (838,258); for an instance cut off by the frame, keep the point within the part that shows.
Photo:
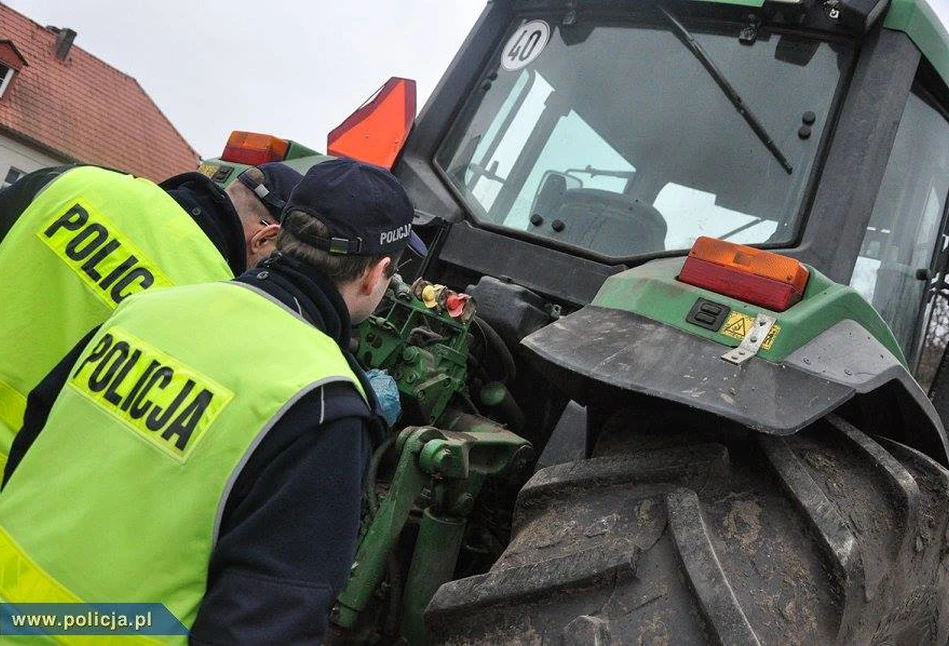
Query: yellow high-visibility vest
(91,238)
(120,497)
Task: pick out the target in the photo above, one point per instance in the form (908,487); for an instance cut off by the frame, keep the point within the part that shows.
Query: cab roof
(916,18)
(919,21)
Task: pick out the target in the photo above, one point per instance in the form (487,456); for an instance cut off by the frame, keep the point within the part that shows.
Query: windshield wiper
(689,40)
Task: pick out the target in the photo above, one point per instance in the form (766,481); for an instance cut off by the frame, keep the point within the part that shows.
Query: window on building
(11,62)
(6,75)
(12,176)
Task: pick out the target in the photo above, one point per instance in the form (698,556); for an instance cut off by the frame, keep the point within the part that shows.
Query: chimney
(64,39)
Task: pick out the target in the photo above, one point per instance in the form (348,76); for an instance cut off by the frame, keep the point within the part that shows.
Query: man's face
(260,226)
(260,238)
(373,286)
(380,288)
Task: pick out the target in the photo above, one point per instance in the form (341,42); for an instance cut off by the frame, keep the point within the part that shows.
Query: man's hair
(248,206)
(337,267)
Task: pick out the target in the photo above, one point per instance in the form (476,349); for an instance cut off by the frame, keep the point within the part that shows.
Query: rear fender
(597,353)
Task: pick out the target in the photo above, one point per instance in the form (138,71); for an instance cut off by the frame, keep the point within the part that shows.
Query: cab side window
(897,259)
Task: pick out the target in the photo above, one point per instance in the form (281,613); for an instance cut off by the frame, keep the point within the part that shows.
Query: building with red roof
(59,103)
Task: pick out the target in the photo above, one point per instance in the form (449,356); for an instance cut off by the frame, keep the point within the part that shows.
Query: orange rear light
(252,148)
(757,277)
(376,132)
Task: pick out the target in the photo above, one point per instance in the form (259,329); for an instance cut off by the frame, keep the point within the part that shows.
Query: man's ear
(263,236)
(373,275)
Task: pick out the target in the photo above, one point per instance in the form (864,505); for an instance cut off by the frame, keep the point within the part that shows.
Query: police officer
(206,448)
(76,241)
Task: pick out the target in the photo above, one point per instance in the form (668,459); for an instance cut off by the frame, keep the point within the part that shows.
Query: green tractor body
(225,171)
(595,450)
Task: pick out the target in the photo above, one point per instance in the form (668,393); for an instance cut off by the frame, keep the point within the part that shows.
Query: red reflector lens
(376,132)
(757,277)
(252,148)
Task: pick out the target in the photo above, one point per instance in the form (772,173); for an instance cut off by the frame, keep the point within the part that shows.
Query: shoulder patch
(101,255)
(159,398)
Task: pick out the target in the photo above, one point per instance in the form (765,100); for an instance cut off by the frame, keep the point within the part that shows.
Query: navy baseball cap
(279,181)
(364,207)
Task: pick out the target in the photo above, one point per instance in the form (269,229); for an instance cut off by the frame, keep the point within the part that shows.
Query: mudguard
(597,351)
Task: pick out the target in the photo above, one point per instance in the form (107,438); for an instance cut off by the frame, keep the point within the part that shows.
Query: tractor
(673,369)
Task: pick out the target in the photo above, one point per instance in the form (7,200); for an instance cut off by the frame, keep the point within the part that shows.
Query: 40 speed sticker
(737,325)
(525,45)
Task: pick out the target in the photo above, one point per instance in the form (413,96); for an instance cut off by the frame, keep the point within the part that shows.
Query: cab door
(901,267)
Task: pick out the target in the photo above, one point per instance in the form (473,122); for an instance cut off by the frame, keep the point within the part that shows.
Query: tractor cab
(618,133)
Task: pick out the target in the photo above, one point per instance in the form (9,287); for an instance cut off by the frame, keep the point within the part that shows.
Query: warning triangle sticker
(736,327)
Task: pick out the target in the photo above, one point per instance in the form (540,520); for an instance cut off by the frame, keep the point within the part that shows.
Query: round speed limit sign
(525,45)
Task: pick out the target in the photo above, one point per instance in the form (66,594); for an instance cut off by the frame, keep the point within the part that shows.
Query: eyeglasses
(265,223)
(265,195)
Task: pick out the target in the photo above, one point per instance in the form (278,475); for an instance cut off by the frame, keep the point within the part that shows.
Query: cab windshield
(616,139)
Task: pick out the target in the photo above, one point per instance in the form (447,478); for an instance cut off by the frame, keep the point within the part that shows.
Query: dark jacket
(288,534)
(201,198)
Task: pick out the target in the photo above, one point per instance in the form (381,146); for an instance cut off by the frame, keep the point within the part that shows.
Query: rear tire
(728,536)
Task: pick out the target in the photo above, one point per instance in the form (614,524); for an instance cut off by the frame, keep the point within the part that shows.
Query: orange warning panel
(376,132)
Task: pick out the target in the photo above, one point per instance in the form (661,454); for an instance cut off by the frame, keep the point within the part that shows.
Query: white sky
(294,69)
(942,10)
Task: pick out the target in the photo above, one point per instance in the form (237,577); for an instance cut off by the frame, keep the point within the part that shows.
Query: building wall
(84,108)
(20,156)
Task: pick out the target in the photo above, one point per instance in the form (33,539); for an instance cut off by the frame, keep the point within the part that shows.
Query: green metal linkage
(453,465)
(461,462)
(384,527)
(424,349)
(436,551)
(458,454)
(653,291)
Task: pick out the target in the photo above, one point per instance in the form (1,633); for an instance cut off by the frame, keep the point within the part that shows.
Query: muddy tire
(827,536)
